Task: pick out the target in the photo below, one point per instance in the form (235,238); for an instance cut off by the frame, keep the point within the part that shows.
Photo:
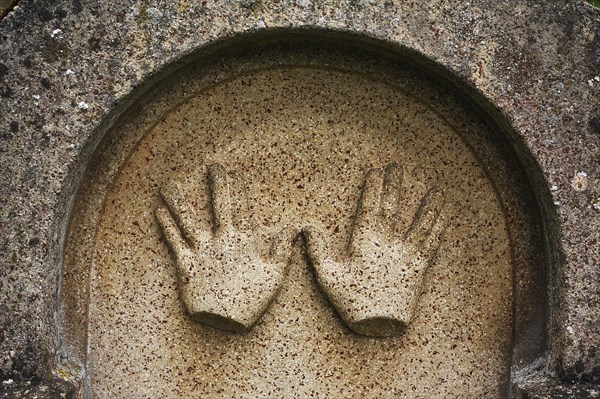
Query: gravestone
(312,201)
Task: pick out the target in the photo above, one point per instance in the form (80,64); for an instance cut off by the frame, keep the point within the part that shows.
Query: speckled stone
(70,69)
(256,121)
(55,389)
(6,6)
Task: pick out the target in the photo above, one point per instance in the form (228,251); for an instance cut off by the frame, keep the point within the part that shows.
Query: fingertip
(216,170)
(393,168)
(427,216)
(288,234)
(435,195)
(292,232)
(161,213)
(312,233)
(371,195)
(220,197)
(235,175)
(436,234)
(171,195)
(170,231)
(167,188)
(373,176)
(434,201)
(316,244)
(393,175)
(307,230)
(282,244)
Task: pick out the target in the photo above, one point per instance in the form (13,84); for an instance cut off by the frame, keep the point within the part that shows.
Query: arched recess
(386,104)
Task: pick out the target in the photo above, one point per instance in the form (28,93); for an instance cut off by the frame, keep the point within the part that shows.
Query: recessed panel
(293,228)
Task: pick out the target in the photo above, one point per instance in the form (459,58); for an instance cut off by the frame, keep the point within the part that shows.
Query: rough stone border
(68,68)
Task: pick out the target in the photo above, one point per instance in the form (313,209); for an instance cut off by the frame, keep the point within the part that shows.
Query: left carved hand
(223,281)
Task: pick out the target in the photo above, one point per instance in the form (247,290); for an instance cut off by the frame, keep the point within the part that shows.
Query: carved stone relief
(275,227)
(223,283)
(376,287)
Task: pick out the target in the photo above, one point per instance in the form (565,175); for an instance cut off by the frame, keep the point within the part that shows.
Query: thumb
(316,245)
(282,244)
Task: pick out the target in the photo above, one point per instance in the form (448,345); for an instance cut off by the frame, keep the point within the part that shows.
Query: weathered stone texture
(68,67)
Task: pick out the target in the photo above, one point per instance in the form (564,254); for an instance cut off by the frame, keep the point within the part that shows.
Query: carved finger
(426,217)
(282,244)
(316,245)
(390,199)
(368,205)
(181,210)
(171,232)
(220,197)
(432,243)
(239,200)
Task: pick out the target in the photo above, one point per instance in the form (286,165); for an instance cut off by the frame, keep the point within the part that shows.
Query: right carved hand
(376,286)
(223,281)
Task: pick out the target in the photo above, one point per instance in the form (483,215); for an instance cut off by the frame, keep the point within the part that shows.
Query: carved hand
(223,281)
(376,287)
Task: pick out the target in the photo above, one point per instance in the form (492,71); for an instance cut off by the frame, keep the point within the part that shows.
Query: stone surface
(70,68)
(543,386)
(255,117)
(11,389)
